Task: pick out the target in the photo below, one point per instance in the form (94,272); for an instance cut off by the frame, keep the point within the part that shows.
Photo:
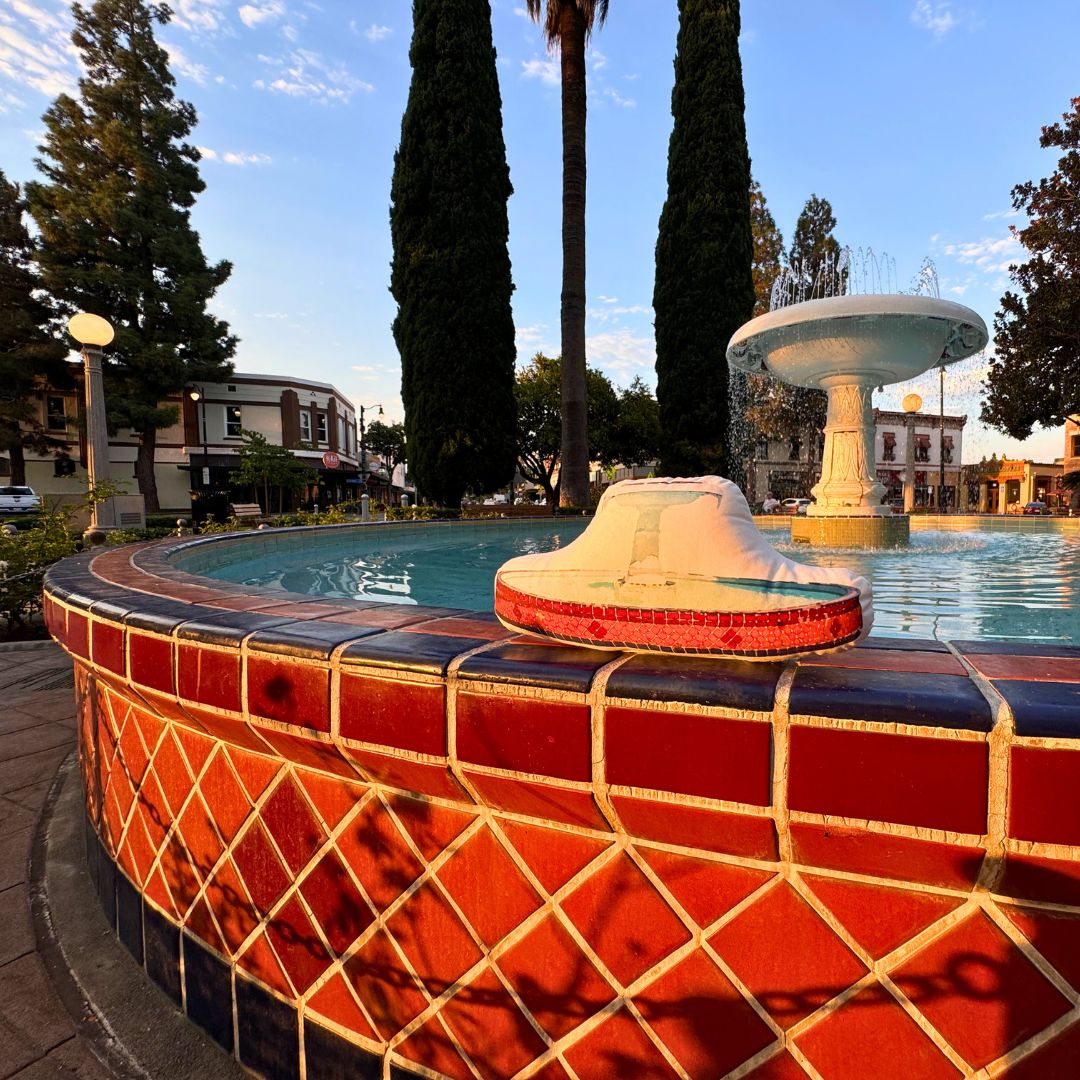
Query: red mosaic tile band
(713,633)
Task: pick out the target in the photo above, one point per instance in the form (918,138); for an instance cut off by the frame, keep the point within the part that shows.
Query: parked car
(794,506)
(1036,508)
(18,500)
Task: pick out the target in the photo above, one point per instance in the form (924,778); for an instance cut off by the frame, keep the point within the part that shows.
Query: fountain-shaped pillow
(678,566)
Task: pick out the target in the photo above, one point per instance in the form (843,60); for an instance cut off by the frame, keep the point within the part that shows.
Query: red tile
(208,676)
(228,805)
(201,923)
(468,628)
(781,1067)
(1054,934)
(388,992)
(491,1028)
(927,663)
(172,773)
(77,635)
(266,879)
(791,982)
(138,847)
(154,811)
(707,889)
(229,729)
(133,753)
(431,1045)
(255,772)
(619,1047)
(621,915)
(179,874)
(698,827)
(281,688)
(195,746)
(200,837)
(1056,1060)
(979,990)
(555,979)
(309,752)
(1042,795)
(297,945)
(332,798)
(553,1070)
(573,806)
(108,646)
(408,775)
(906,779)
(334,1000)
(879,855)
(524,734)
(871,1035)
(259,960)
(156,891)
(431,826)
(881,919)
(702,1018)
(230,903)
(553,855)
(1040,668)
(433,938)
(488,887)
(712,756)
(392,712)
(342,913)
(290,820)
(378,854)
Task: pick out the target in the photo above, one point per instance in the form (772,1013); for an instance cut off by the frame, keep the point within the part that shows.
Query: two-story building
(910,449)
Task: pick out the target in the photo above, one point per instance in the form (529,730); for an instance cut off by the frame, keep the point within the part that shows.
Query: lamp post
(941,443)
(93,333)
(198,394)
(363,457)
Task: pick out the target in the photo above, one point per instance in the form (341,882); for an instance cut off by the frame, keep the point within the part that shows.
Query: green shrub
(28,555)
(210,525)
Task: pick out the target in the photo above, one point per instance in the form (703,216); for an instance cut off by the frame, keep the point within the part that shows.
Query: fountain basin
(349,836)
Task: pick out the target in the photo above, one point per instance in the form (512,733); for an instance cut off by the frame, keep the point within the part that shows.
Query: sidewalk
(38,1038)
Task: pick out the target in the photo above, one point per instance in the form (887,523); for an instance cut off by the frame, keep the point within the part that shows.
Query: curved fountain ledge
(349,838)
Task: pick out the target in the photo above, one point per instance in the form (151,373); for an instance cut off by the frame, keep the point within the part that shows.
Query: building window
(888,449)
(341,434)
(320,426)
(305,426)
(922,448)
(1075,446)
(794,448)
(233,426)
(55,414)
(763,449)
(63,465)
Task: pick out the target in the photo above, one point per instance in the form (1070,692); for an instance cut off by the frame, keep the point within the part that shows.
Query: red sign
(331,460)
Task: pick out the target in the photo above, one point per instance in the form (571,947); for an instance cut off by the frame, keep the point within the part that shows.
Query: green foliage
(1035,376)
(332,515)
(28,555)
(539,408)
(30,350)
(264,464)
(115,537)
(113,209)
(635,437)
(768,248)
(814,246)
(211,526)
(451,268)
(421,513)
(388,441)
(704,290)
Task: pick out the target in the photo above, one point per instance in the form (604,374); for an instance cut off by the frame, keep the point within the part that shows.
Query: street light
(93,333)
(363,458)
(941,446)
(198,394)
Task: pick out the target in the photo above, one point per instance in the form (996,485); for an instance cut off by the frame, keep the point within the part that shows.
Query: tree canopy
(704,290)
(451,268)
(388,441)
(114,213)
(1034,378)
(264,465)
(31,352)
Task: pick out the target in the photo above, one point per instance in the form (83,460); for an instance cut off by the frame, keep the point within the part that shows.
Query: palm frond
(549,11)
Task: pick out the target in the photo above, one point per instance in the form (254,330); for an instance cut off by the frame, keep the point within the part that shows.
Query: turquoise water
(1022,586)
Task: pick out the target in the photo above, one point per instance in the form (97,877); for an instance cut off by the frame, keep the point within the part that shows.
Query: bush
(27,556)
(332,515)
(422,513)
(210,526)
(115,537)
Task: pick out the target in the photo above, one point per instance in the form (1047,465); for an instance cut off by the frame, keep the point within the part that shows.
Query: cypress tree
(704,290)
(114,211)
(451,267)
(30,351)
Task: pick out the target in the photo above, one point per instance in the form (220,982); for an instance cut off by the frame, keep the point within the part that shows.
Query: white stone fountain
(847,346)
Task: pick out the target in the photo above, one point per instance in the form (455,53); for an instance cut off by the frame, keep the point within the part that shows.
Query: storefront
(1018,483)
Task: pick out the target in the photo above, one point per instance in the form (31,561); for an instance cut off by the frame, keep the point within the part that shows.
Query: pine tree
(704,290)
(30,352)
(114,211)
(814,249)
(451,267)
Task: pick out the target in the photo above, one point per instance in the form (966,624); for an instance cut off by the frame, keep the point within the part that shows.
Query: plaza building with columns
(909,451)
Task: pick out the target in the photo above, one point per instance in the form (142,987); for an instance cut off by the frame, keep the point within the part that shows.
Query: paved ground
(38,1037)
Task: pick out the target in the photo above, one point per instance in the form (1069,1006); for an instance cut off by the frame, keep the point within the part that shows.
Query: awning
(889,438)
(947,441)
(922,441)
(889,476)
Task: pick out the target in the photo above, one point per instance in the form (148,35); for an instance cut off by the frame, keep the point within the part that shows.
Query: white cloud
(207,153)
(180,62)
(375,32)
(621,352)
(45,21)
(613,310)
(521,13)
(940,18)
(597,59)
(253,14)
(991,256)
(547,71)
(44,64)
(1001,214)
(618,99)
(277,316)
(233,157)
(200,16)
(307,74)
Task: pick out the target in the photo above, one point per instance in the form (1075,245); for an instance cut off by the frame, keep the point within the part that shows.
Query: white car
(794,506)
(18,500)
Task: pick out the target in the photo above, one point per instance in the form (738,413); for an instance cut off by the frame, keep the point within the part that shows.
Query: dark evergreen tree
(114,211)
(451,269)
(1035,376)
(31,352)
(814,249)
(704,290)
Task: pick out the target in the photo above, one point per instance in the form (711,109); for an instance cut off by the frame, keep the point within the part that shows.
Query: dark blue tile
(228,628)
(1017,648)
(559,667)
(734,684)
(1044,709)
(106,887)
(208,992)
(950,701)
(158,614)
(129,917)
(404,651)
(330,1057)
(267,1033)
(314,639)
(907,644)
(162,941)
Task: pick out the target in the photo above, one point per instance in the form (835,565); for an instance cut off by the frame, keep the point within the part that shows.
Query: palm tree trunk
(574,473)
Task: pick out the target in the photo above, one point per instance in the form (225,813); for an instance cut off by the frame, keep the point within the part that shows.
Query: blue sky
(913,117)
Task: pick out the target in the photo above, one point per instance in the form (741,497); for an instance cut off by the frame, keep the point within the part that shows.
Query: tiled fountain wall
(387,841)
